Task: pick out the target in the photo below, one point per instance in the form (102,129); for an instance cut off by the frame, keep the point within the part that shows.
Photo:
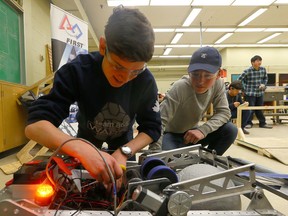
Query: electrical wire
(104,160)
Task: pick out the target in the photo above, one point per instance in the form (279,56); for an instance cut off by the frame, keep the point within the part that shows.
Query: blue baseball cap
(206,58)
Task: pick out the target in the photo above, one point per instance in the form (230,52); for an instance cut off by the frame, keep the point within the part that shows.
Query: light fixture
(252,3)
(269,38)
(192,16)
(220,30)
(176,56)
(164,29)
(253,16)
(249,29)
(250,45)
(178,45)
(113,3)
(159,46)
(212,2)
(170,3)
(281,2)
(167,51)
(188,30)
(176,38)
(276,30)
(226,36)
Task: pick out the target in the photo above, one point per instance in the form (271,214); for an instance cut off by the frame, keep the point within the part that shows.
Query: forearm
(139,142)
(48,135)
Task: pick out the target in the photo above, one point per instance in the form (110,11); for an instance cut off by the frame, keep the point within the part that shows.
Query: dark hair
(256,57)
(130,35)
(236,85)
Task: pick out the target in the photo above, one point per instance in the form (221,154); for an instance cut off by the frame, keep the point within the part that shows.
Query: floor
(235,151)
(264,137)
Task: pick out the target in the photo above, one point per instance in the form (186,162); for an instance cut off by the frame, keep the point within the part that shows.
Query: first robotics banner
(69,36)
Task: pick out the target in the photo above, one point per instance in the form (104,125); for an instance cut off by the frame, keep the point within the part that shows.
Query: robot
(185,181)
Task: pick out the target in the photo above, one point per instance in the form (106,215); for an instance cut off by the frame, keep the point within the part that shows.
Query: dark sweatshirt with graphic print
(106,113)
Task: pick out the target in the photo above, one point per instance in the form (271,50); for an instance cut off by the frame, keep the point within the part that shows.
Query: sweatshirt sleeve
(148,115)
(230,102)
(222,112)
(167,109)
(54,107)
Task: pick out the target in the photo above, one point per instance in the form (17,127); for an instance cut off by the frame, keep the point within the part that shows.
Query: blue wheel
(162,171)
(148,164)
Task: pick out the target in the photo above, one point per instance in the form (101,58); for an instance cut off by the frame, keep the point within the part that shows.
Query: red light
(44,194)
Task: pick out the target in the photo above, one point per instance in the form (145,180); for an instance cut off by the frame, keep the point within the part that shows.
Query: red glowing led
(44,194)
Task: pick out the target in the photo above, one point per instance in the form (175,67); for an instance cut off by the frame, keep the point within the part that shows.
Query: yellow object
(123,167)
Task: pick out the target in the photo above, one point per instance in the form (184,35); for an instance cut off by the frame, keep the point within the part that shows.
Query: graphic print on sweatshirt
(111,122)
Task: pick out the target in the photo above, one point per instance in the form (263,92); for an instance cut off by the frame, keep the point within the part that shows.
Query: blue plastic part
(163,171)
(148,164)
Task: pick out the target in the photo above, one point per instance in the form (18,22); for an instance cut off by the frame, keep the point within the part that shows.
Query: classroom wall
(234,60)
(36,35)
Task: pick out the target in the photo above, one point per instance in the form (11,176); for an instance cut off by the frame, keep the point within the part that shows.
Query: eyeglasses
(118,67)
(205,76)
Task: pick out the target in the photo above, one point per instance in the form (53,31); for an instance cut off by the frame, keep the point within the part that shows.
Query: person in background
(254,80)
(187,101)
(112,88)
(234,98)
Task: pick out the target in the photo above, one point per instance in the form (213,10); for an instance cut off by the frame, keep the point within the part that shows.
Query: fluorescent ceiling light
(167,30)
(251,45)
(212,2)
(167,51)
(269,38)
(249,29)
(252,2)
(276,30)
(253,16)
(176,38)
(198,46)
(188,30)
(170,66)
(159,46)
(222,45)
(164,30)
(281,2)
(178,45)
(220,30)
(176,56)
(226,36)
(273,45)
(170,2)
(192,16)
(113,3)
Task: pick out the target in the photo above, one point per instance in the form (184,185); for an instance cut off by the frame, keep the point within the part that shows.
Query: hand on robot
(96,164)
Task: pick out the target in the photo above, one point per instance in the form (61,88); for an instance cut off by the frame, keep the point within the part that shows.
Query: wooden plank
(11,167)
(25,154)
(247,144)
(279,154)
(273,142)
